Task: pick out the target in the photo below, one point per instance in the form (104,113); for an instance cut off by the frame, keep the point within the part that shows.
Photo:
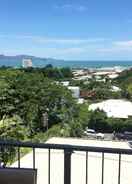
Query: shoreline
(73,64)
(96,68)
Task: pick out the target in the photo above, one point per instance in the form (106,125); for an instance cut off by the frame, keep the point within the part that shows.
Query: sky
(67,29)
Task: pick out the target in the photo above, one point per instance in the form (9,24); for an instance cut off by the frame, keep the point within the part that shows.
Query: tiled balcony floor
(79,164)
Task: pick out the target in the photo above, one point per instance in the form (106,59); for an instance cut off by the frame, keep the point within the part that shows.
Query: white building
(113,76)
(75,91)
(114,108)
(80,101)
(65,83)
(27,63)
(83,77)
(115,89)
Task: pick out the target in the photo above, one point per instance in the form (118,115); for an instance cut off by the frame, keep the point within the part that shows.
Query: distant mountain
(23,57)
(16,61)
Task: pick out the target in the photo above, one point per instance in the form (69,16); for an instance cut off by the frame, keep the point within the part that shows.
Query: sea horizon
(68,63)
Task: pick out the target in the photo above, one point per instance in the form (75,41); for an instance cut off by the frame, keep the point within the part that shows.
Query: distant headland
(16,61)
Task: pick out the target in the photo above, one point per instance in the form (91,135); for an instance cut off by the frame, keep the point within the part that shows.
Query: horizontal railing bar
(63,147)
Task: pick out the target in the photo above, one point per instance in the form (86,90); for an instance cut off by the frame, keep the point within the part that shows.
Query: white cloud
(114,50)
(117,47)
(67,51)
(74,7)
(68,40)
(63,47)
(124,43)
(50,40)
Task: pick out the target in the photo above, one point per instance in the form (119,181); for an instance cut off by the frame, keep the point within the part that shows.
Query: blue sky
(67,29)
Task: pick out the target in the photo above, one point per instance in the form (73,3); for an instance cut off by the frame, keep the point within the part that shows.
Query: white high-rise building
(27,63)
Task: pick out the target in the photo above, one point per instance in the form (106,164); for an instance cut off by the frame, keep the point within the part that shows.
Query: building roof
(114,108)
(115,89)
(65,83)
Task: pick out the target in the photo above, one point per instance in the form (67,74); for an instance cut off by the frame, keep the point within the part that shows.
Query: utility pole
(45,120)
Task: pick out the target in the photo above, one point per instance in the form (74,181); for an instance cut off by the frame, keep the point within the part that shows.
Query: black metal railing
(68,151)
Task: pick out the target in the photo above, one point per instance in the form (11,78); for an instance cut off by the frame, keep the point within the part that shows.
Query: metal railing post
(67,166)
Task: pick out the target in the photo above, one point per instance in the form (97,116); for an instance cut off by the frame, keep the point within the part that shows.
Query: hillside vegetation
(26,95)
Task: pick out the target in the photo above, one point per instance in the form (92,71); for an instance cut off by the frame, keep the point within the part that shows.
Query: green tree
(98,121)
(10,129)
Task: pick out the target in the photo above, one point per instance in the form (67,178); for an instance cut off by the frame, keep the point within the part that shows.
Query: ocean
(64,63)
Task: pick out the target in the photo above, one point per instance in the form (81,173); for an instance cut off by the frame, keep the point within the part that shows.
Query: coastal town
(66,92)
(114,107)
(62,108)
(111,72)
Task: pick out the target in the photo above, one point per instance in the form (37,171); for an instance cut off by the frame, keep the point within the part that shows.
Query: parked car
(125,136)
(130,144)
(100,135)
(92,134)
